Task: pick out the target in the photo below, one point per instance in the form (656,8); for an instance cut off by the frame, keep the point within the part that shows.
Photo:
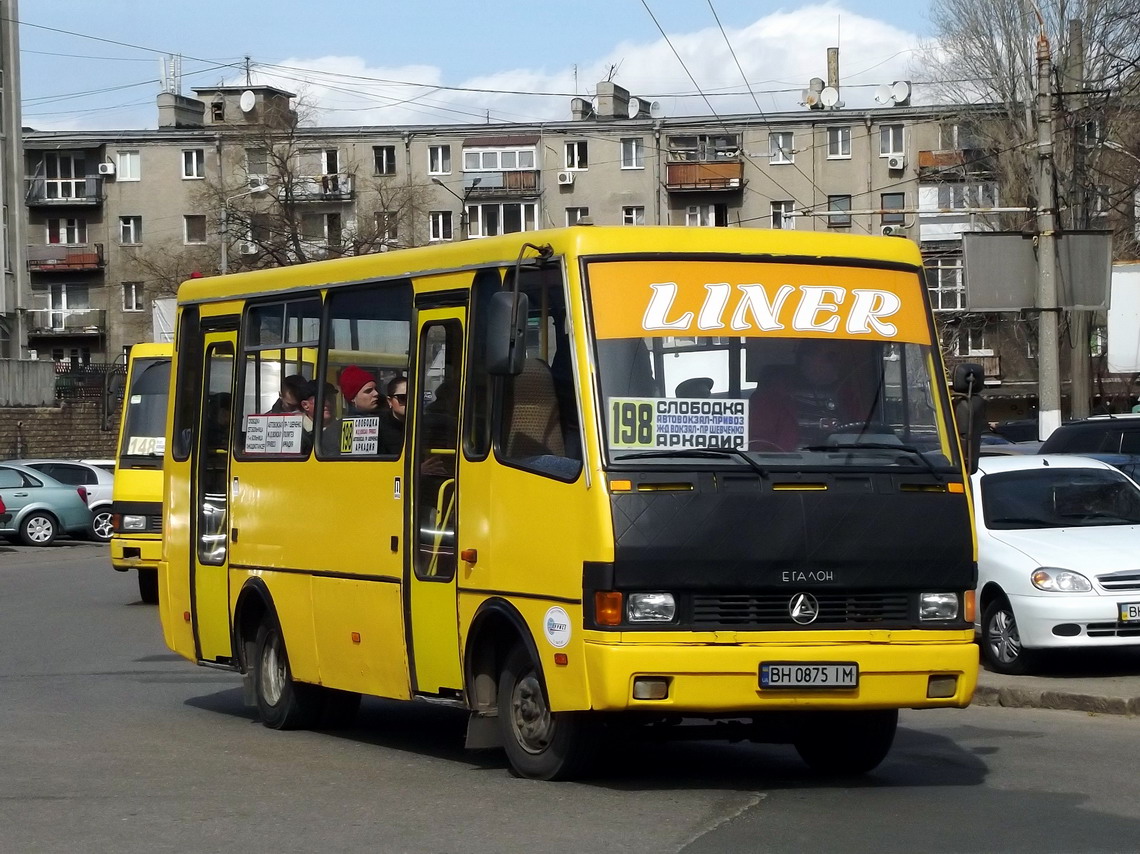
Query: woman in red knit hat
(360,392)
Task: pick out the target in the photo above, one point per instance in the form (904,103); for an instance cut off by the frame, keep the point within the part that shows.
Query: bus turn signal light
(970,606)
(607,608)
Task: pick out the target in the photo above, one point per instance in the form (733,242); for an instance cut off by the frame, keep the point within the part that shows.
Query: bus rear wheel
(281,702)
(148,586)
(540,744)
(847,743)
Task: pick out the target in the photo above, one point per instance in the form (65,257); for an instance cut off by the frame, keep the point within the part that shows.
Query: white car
(1058,557)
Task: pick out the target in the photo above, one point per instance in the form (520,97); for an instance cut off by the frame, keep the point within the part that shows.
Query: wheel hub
(530,716)
(1004,639)
(272,673)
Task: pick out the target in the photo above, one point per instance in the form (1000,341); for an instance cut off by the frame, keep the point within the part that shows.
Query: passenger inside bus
(361,393)
(695,387)
(393,418)
(800,405)
(292,387)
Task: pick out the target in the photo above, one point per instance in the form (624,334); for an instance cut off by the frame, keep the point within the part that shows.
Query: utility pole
(1080,362)
(1048,343)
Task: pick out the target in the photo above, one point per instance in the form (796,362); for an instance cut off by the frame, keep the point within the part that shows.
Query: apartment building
(231,180)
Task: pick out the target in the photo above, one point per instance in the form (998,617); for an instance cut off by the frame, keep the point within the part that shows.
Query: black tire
(38,529)
(281,702)
(101,527)
(540,744)
(1002,651)
(148,586)
(847,743)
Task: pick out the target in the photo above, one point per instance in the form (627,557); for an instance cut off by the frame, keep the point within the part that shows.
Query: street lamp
(256,185)
(462,201)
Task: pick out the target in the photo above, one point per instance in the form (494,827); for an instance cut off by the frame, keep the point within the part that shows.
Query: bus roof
(577,240)
(151,350)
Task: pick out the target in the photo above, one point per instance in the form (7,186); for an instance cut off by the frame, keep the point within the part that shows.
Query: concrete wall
(70,431)
(26,383)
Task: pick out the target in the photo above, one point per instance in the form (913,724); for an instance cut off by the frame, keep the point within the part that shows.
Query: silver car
(37,508)
(98,482)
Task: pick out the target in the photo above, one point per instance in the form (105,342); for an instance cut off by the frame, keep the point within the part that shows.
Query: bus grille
(771,609)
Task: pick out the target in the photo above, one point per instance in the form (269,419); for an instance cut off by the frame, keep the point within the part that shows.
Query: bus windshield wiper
(879,446)
(708,453)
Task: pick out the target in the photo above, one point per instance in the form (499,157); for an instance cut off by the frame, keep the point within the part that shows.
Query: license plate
(813,674)
(1129,612)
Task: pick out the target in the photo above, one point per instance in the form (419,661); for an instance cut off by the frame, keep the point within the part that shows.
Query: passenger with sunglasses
(393,418)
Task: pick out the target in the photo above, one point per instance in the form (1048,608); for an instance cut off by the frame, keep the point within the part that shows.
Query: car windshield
(783,397)
(1059,498)
(144,416)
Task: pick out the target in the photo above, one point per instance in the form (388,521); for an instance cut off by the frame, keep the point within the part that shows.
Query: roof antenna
(248,75)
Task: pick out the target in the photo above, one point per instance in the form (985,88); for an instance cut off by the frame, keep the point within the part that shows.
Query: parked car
(1113,439)
(37,508)
(98,482)
(1018,430)
(1058,540)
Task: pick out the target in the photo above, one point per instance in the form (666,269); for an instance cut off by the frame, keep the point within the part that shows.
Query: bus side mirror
(969,410)
(506,334)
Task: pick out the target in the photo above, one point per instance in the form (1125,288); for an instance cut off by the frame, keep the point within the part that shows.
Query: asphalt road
(108,743)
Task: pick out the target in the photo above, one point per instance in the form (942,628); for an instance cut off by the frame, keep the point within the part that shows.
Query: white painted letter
(763,312)
(868,307)
(712,312)
(659,304)
(812,305)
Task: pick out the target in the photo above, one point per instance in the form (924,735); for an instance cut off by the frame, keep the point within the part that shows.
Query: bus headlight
(1060,580)
(134,523)
(650,607)
(938,606)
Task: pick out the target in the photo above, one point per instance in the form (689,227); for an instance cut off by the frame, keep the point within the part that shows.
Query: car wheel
(540,744)
(847,743)
(1002,651)
(38,529)
(101,528)
(281,702)
(148,586)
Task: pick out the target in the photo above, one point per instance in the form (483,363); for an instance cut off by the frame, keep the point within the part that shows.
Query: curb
(1027,698)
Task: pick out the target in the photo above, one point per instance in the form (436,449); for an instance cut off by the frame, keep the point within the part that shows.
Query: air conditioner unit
(107,168)
(891,231)
(565,179)
(896,161)
(248,248)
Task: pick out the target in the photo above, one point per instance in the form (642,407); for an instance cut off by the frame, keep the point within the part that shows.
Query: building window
(971,341)
(217,111)
(780,147)
(383,160)
(945,284)
(980,194)
(321,232)
(892,205)
(576,155)
(632,152)
(386,225)
(256,162)
(891,140)
(439,159)
(514,159)
(194,163)
(782,215)
(439,226)
(128,166)
(575,214)
(194,228)
(1090,133)
(67,232)
(704,148)
(633,215)
(65,175)
(711,215)
(839,143)
(132,296)
(130,229)
(487,220)
(838,203)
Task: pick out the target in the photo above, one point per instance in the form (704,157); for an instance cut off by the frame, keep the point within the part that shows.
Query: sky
(88,64)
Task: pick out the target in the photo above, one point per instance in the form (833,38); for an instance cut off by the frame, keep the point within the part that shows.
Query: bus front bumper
(132,552)
(725,680)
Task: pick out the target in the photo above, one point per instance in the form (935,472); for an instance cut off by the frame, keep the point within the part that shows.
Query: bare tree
(165,266)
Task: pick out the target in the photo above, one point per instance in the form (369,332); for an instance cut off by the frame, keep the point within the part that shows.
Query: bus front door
(433,634)
(210,560)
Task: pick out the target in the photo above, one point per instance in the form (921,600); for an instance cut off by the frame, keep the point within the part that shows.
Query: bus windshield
(144,414)
(794,364)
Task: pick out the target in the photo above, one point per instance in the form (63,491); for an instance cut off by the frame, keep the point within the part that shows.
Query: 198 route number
(799,674)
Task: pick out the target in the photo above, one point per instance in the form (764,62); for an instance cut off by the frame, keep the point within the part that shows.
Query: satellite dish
(247,101)
(809,98)
(656,110)
(634,107)
(883,95)
(900,91)
(829,97)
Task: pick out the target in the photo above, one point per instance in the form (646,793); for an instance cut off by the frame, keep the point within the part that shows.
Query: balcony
(991,366)
(319,188)
(62,322)
(479,185)
(72,193)
(691,177)
(954,164)
(65,259)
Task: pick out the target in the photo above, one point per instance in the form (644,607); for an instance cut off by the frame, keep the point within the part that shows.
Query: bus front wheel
(540,744)
(281,702)
(847,743)
(148,586)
